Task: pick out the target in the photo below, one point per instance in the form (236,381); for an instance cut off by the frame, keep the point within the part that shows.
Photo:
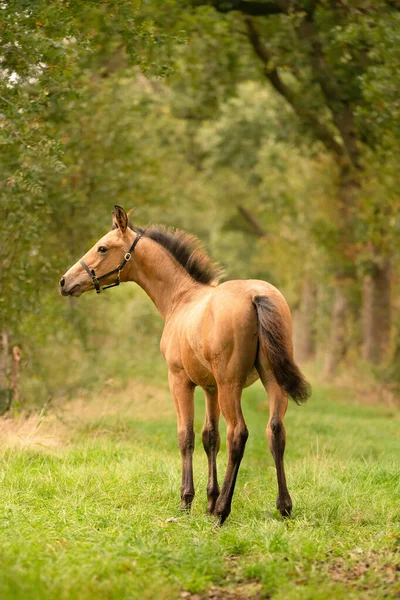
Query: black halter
(92,274)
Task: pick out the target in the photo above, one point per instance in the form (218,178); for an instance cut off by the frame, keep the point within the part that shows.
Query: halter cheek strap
(92,273)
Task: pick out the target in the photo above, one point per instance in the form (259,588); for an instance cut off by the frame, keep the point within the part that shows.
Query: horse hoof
(221,514)
(186,503)
(284,506)
(286,512)
(211,507)
(186,506)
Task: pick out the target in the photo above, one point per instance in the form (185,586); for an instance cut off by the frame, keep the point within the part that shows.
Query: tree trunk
(14,380)
(349,184)
(4,360)
(376,312)
(345,151)
(305,322)
(337,344)
(4,386)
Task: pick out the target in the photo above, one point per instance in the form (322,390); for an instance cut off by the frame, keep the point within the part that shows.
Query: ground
(89,497)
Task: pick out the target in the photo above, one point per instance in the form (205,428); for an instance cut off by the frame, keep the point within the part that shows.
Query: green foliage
(80,347)
(56,59)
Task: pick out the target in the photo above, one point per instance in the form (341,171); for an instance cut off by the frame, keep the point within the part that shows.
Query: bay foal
(220,337)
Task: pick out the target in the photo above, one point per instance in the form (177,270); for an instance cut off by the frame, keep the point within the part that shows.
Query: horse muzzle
(68,290)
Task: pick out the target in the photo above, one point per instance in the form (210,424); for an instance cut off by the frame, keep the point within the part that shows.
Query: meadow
(89,504)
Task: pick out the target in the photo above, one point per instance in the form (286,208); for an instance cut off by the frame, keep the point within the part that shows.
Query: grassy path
(94,515)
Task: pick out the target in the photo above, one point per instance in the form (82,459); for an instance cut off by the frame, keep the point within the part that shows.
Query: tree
(320,57)
(55,57)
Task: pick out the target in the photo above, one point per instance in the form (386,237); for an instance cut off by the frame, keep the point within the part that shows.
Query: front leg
(211,443)
(182,390)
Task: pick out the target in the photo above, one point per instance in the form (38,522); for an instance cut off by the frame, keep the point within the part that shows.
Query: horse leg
(182,390)
(211,443)
(229,401)
(276,436)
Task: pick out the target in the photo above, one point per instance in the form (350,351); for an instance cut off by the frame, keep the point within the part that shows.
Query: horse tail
(272,333)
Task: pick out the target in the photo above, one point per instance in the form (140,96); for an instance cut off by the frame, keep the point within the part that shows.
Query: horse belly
(203,377)
(251,377)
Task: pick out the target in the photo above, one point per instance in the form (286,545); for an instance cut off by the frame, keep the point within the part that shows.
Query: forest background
(269,129)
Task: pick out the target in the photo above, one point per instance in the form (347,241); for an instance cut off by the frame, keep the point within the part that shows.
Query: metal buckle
(96,284)
(127,256)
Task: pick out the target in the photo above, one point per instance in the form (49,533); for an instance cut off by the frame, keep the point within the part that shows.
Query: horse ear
(120,218)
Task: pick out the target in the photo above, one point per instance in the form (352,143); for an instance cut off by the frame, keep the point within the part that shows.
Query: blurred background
(269,129)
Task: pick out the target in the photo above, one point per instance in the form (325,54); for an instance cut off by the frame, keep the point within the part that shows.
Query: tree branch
(258,230)
(340,109)
(254,9)
(321,132)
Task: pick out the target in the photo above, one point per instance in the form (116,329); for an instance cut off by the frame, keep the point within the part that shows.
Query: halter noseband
(92,274)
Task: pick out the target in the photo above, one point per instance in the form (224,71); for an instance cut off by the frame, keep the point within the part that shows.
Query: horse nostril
(62,281)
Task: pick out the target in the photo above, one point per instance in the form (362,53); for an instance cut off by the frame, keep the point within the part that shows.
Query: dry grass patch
(34,431)
(55,427)
(139,400)
(251,590)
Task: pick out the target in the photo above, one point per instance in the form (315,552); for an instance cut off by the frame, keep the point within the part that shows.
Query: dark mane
(187,249)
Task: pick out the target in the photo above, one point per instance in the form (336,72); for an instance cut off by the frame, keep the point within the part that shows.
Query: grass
(89,505)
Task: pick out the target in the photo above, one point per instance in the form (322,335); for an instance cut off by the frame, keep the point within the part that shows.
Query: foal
(220,337)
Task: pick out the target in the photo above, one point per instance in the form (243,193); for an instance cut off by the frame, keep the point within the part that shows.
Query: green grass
(90,518)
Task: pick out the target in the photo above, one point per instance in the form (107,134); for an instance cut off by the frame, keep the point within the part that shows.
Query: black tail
(271,331)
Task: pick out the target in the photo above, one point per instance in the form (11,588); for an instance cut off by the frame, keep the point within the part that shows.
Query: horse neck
(160,276)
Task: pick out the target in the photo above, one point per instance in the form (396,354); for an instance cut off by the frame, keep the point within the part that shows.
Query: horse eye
(102,249)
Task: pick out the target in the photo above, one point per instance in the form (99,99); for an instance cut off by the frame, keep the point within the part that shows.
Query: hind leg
(277,441)
(276,436)
(236,432)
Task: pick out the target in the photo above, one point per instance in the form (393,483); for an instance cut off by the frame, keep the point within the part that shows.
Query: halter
(92,274)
